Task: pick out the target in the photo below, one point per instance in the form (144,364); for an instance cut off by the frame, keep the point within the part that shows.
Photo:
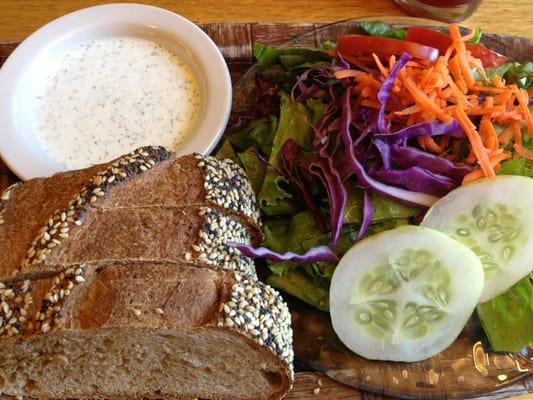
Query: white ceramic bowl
(21,77)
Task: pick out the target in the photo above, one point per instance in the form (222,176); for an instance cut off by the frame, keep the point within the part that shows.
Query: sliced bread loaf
(147,187)
(117,282)
(145,330)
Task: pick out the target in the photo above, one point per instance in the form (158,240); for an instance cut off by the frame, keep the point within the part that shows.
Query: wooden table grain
(18,18)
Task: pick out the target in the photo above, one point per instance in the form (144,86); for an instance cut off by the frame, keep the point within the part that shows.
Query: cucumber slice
(492,217)
(404,294)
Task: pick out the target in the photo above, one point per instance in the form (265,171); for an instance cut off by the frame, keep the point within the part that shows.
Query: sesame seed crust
(212,249)
(258,311)
(62,221)
(48,318)
(226,185)
(15,300)
(4,198)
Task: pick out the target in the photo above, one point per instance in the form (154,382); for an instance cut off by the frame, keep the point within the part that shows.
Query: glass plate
(467,367)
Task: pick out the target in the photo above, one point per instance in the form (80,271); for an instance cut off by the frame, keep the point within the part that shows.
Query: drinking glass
(443,10)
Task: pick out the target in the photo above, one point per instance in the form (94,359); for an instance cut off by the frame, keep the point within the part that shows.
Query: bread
(116,282)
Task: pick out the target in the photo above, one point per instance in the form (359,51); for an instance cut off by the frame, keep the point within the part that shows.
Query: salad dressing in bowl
(99,82)
(111,95)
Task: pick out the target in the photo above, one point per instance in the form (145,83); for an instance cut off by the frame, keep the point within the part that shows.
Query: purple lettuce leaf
(384,150)
(324,169)
(417,179)
(262,159)
(291,156)
(350,165)
(385,91)
(342,63)
(368,213)
(267,97)
(314,254)
(431,128)
(406,156)
(311,81)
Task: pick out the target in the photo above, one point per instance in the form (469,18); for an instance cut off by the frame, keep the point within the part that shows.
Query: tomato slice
(441,41)
(429,37)
(383,47)
(488,57)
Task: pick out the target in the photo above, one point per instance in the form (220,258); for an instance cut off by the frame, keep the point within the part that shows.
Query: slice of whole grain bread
(136,191)
(146,330)
(117,282)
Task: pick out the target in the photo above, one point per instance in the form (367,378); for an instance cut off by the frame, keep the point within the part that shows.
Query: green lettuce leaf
(513,72)
(378,28)
(255,169)
(275,197)
(384,207)
(265,55)
(226,151)
(521,165)
(292,235)
(310,281)
(258,133)
(289,58)
(301,285)
(385,225)
(329,45)
(508,318)
(298,236)
(517,166)
(316,109)
(477,36)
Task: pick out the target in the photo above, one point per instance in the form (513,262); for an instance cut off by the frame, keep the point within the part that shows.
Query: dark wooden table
(235,40)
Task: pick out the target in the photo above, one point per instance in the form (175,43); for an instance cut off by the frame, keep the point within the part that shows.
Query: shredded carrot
(366,92)
(392,61)
(370,103)
(498,81)
(456,92)
(523,151)
(488,89)
(496,159)
(473,176)
(445,89)
(475,141)
(461,55)
(522,97)
(478,172)
(350,73)
(421,141)
(517,133)
(457,74)
(423,101)
(506,135)
(431,145)
(484,110)
(409,110)
(444,141)
(381,68)
(488,133)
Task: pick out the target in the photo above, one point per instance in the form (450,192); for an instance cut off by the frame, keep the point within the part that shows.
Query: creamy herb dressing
(111,95)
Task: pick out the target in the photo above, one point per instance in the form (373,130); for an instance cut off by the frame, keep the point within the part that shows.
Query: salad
(364,135)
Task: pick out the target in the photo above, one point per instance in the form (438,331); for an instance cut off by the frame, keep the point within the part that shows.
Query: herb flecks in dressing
(111,95)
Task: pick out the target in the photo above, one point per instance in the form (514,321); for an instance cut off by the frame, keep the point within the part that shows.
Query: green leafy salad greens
(255,142)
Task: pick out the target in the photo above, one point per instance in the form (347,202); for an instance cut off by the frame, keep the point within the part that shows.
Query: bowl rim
(17,153)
